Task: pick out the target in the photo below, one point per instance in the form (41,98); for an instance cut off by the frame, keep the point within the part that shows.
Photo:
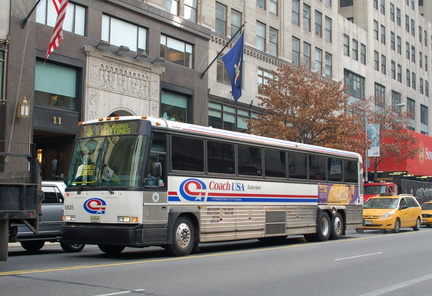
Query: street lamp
(376,135)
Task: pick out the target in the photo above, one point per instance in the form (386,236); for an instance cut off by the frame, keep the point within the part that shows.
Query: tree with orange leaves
(305,107)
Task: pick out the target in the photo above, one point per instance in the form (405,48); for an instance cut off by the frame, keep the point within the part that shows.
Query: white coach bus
(141,181)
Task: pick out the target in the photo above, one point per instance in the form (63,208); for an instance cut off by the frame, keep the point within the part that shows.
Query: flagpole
(220,52)
(24,21)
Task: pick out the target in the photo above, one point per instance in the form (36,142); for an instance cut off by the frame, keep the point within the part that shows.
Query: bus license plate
(95,219)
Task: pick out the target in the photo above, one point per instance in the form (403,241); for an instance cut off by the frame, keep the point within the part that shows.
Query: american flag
(57,33)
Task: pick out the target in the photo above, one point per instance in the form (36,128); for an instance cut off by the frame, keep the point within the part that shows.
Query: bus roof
(231,135)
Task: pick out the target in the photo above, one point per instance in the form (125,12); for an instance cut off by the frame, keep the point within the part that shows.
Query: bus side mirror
(156,169)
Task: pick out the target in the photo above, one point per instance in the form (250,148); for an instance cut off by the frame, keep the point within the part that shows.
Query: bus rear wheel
(183,237)
(323,229)
(337,226)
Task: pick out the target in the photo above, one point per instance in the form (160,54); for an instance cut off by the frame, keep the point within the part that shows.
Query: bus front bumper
(133,235)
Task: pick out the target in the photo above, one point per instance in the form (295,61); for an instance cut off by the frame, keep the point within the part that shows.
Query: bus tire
(111,249)
(183,237)
(337,226)
(323,229)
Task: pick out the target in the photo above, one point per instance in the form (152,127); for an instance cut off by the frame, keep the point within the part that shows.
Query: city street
(372,263)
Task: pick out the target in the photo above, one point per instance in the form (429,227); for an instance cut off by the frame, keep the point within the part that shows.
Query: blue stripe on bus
(250,199)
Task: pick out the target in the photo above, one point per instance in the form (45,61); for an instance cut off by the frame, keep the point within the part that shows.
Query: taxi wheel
(418,225)
(396,226)
(359,230)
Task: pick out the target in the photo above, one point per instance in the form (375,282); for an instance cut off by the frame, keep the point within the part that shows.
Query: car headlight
(386,215)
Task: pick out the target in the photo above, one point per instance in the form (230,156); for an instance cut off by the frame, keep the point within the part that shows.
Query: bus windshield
(112,161)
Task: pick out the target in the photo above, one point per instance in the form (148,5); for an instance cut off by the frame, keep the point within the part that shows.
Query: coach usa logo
(193,189)
(95,206)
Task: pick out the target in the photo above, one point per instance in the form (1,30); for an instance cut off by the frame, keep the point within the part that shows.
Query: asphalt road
(367,264)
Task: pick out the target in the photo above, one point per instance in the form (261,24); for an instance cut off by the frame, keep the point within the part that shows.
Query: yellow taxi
(427,213)
(391,212)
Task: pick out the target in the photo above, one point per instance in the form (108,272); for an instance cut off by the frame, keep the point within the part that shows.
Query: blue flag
(233,61)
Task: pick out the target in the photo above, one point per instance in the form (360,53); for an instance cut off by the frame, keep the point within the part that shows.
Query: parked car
(391,212)
(50,221)
(427,213)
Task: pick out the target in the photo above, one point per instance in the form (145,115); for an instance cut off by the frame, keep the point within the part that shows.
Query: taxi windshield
(381,203)
(107,161)
(426,206)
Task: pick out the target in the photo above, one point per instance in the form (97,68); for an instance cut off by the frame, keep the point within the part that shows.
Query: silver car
(50,221)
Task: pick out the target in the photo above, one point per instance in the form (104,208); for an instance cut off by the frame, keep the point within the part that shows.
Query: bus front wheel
(183,237)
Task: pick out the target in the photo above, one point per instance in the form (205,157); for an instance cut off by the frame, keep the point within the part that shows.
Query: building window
(393,40)
(383,64)
(306,17)
(346,48)
(392,12)
(426,88)
(355,49)
(261,4)
(260,36)
(421,85)
(414,81)
(172,6)
(56,86)
(393,69)
(263,77)
(413,54)
(399,45)
(426,63)
(328,29)
(273,7)
(383,35)
(411,113)
(327,3)
(412,27)
(424,114)
(399,72)
(221,19)
(318,60)
(345,3)
(396,100)
(307,55)
(398,17)
(318,23)
(379,95)
(295,12)
(74,22)
(295,51)
(382,6)
(273,41)
(236,19)
(407,25)
(375,29)
(408,78)
(222,73)
(228,117)
(328,70)
(363,54)
(355,84)
(174,106)
(407,51)
(121,33)
(190,10)
(176,51)
(376,60)
(375,4)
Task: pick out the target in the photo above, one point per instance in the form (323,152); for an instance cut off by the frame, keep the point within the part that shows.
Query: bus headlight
(68,218)
(127,219)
